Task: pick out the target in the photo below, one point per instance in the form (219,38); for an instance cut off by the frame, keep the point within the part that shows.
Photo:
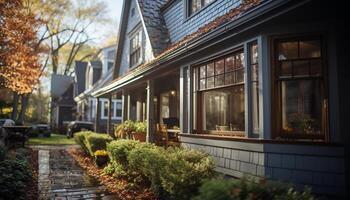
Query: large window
(196,5)
(221,95)
(300,93)
(135,48)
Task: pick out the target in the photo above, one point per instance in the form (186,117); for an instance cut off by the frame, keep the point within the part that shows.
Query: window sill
(257,140)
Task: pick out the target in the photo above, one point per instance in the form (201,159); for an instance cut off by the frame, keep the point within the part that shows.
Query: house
(91,76)
(62,102)
(258,84)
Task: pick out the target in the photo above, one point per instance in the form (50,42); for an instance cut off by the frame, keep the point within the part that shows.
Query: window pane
(230,64)
(301,68)
(240,76)
(210,69)
(202,72)
(316,67)
(254,54)
(219,67)
(202,84)
(254,87)
(210,82)
(287,50)
(224,109)
(310,49)
(286,68)
(239,60)
(230,78)
(301,106)
(220,80)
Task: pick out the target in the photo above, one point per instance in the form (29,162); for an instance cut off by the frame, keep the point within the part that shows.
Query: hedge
(232,189)
(91,142)
(15,173)
(173,173)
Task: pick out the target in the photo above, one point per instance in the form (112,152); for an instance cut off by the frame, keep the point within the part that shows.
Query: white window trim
(103,114)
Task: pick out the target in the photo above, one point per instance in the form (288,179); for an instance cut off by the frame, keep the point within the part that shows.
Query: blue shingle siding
(179,25)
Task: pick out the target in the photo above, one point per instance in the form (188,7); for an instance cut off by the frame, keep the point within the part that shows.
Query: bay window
(300,90)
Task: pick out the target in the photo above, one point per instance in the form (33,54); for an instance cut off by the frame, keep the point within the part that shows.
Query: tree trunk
(15,106)
(24,104)
(54,61)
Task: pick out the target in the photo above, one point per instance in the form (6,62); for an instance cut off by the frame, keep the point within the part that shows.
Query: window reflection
(224,109)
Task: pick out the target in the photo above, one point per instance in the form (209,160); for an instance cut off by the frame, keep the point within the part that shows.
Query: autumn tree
(65,30)
(19,61)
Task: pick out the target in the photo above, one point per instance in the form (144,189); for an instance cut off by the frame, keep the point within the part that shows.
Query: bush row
(14,174)
(173,173)
(91,142)
(232,189)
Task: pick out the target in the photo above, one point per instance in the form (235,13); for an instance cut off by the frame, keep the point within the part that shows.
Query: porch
(154,100)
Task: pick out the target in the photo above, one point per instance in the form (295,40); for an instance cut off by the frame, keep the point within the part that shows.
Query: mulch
(113,185)
(32,187)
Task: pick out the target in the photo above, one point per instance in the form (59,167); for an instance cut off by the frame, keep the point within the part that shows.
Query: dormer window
(132,12)
(196,5)
(135,48)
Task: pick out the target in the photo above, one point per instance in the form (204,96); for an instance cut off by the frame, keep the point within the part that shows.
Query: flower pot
(101,160)
(139,136)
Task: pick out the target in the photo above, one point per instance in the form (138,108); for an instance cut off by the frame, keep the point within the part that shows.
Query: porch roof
(245,12)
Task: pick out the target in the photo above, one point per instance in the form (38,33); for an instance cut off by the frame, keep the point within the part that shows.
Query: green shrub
(118,151)
(185,171)
(173,173)
(96,141)
(232,189)
(148,160)
(80,139)
(15,173)
(2,153)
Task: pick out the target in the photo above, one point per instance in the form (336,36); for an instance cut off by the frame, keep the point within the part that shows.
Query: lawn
(55,139)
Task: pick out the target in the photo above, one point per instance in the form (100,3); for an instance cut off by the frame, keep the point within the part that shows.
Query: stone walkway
(60,178)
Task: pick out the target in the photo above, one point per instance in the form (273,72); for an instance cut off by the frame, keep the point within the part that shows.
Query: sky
(114,9)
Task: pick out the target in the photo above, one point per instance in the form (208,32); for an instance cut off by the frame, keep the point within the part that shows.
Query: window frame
(276,87)
(189,12)
(200,92)
(137,33)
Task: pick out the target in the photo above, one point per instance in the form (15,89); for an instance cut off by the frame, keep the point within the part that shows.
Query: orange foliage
(19,61)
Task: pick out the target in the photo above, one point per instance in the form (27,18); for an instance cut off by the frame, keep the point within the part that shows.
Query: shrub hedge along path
(60,178)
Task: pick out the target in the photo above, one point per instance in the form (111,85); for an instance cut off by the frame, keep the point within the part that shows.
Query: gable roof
(80,71)
(154,25)
(246,7)
(59,84)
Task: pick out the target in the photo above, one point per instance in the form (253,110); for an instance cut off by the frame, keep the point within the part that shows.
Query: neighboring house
(62,102)
(257,84)
(91,76)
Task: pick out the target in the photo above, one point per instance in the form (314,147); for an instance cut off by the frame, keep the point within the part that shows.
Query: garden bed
(19,174)
(119,187)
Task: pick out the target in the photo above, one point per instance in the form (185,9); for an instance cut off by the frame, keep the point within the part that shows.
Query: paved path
(60,177)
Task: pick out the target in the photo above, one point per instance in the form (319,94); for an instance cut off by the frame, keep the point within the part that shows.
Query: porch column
(124,107)
(128,107)
(109,114)
(150,111)
(98,115)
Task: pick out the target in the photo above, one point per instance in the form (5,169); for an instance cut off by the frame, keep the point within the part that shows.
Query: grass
(55,139)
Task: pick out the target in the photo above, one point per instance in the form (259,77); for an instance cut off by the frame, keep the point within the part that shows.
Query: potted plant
(140,131)
(101,158)
(124,130)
